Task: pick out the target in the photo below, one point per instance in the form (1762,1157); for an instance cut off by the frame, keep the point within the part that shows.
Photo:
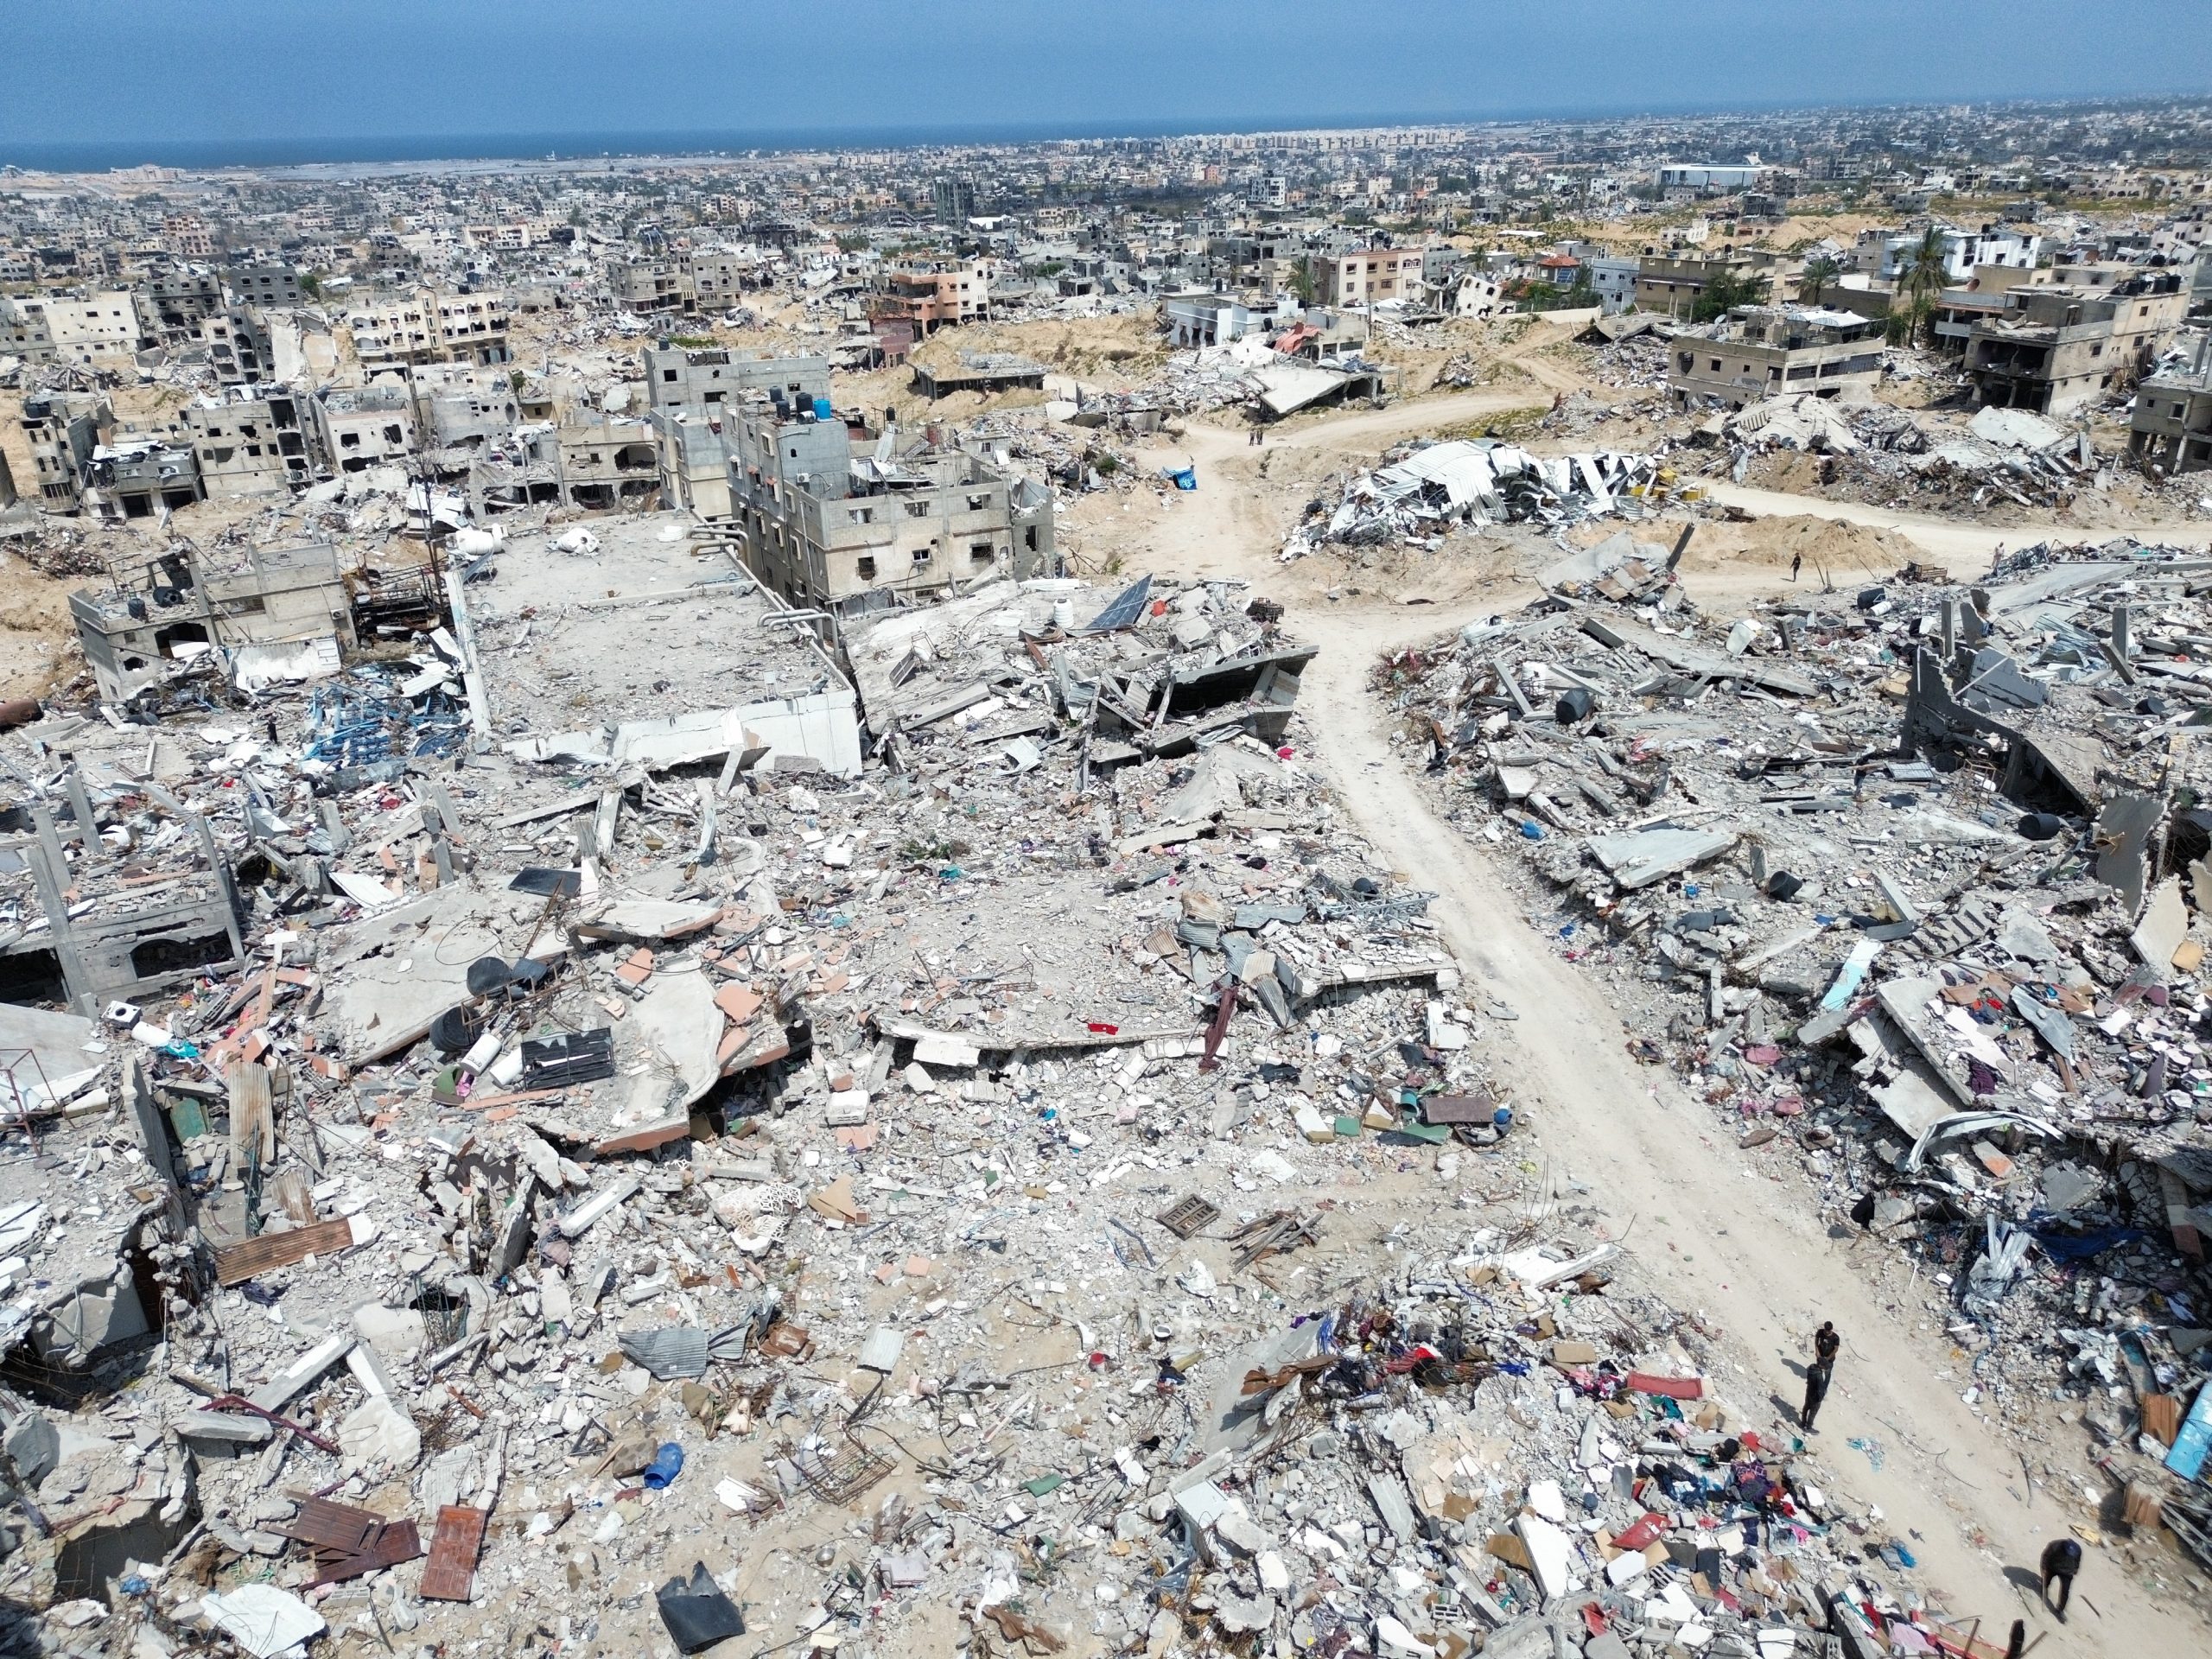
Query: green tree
(1301,279)
(1724,291)
(1821,270)
(1921,277)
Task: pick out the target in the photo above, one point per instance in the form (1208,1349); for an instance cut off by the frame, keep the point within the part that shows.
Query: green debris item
(1434,1134)
(1348,1128)
(1044,1483)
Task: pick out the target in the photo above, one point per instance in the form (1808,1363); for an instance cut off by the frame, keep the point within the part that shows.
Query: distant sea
(353,154)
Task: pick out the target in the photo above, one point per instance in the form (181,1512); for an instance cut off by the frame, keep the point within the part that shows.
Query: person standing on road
(2062,1559)
(1819,1374)
(1796,564)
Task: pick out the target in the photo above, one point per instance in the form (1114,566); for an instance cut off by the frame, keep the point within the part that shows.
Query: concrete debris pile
(1803,420)
(57,550)
(1190,383)
(1246,372)
(2019,455)
(1156,672)
(1872,451)
(1914,886)
(1461,371)
(1638,359)
(1076,459)
(1433,486)
(644,1133)
(1577,413)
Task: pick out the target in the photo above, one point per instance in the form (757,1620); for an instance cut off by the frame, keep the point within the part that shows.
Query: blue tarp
(2079,1247)
(2195,1440)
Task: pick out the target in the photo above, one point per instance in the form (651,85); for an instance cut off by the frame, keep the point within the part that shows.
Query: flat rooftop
(649,622)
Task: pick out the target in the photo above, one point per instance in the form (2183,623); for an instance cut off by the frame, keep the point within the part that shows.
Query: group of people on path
(2061,1557)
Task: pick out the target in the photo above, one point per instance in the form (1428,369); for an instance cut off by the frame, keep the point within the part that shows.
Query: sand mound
(1828,546)
(35,631)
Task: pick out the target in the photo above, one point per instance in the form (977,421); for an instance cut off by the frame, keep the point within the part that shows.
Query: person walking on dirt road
(2062,1559)
(1819,1374)
(1796,564)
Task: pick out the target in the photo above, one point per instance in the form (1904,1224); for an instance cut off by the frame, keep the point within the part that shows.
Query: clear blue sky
(78,72)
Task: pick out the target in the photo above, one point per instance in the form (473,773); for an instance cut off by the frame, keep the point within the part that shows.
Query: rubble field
(953,1144)
(1905,880)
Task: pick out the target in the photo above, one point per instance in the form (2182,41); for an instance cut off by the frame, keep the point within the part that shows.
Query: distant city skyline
(102,83)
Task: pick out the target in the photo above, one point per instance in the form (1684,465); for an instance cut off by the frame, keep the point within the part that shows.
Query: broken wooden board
(236,1263)
(253,1115)
(450,1572)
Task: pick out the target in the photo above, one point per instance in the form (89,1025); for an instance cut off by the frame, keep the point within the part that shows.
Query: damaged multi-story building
(1365,277)
(250,441)
(176,301)
(459,406)
(828,528)
(2055,349)
(677,377)
(1766,351)
(604,461)
(62,429)
(430,327)
(687,392)
(1672,283)
(2172,426)
(652,286)
(359,427)
(281,613)
(138,474)
(264,283)
(101,329)
(920,302)
(239,349)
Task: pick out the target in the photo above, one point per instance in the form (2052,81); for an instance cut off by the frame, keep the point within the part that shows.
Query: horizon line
(225,155)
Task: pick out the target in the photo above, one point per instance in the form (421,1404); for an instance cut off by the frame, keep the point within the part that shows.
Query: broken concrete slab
(2164,925)
(1636,859)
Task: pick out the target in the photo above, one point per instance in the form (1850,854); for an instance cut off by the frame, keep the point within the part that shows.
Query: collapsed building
(1905,882)
(1430,487)
(2171,423)
(2054,350)
(652,1038)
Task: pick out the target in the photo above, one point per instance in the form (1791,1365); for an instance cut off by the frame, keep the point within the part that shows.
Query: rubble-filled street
(1915,912)
(929,1193)
(868,888)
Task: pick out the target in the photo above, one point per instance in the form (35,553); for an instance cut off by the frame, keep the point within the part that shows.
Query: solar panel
(1127,606)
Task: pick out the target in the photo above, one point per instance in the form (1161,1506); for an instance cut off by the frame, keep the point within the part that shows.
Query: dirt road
(1745,1250)
(1962,549)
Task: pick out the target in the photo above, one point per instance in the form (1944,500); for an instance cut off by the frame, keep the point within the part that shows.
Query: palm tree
(1922,274)
(1820,270)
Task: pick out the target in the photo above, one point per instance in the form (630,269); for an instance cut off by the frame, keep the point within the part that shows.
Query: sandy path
(1965,549)
(1740,1247)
